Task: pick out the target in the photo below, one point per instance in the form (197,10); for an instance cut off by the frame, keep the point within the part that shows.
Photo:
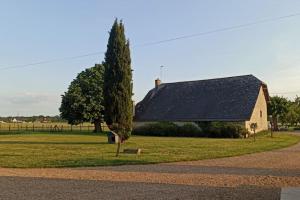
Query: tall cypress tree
(118,83)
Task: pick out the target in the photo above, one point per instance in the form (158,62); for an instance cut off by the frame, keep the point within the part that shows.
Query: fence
(32,127)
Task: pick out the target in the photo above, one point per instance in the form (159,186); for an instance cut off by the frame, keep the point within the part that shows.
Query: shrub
(157,129)
(222,129)
(189,130)
(204,129)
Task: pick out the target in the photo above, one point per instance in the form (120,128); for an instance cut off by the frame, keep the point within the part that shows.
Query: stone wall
(259,114)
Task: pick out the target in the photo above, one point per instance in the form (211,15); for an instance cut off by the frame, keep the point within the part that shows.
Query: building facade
(232,99)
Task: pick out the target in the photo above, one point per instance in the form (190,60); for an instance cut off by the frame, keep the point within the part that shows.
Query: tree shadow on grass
(10,155)
(83,133)
(97,162)
(59,143)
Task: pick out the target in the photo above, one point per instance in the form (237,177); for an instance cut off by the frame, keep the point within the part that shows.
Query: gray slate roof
(222,99)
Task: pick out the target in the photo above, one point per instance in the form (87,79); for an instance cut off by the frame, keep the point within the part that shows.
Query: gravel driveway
(253,176)
(60,189)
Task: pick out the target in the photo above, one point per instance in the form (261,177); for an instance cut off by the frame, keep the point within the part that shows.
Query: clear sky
(34,30)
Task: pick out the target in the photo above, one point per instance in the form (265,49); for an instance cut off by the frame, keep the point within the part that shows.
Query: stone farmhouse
(232,99)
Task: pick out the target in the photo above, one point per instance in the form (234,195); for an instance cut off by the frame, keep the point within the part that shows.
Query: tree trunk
(275,123)
(97,124)
(271,131)
(119,147)
(120,140)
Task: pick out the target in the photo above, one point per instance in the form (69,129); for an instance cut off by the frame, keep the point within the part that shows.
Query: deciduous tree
(83,102)
(277,107)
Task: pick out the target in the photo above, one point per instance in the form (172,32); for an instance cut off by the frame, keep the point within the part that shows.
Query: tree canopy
(83,102)
(284,111)
(118,82)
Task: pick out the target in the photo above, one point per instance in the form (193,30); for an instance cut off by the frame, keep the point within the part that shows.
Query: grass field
(77,150)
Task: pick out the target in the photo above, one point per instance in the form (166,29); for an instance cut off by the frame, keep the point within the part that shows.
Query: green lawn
(75,150)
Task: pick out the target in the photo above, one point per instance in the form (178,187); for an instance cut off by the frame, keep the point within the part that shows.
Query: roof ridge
(209,79)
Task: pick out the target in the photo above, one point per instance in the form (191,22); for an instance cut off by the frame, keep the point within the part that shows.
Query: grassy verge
(76,150)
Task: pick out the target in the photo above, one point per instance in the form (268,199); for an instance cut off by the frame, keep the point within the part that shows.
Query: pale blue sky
(34,30)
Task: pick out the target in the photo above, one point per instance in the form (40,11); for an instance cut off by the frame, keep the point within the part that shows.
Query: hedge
(202,129)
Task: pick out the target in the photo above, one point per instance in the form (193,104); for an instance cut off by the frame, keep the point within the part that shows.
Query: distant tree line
(284,112)
(37,118)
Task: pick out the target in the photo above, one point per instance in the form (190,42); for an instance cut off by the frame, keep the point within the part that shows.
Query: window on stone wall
(260,113)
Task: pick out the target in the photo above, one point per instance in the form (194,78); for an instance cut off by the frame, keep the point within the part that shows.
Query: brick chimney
(157,82)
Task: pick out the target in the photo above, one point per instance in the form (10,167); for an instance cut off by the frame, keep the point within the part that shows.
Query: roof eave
(266,91)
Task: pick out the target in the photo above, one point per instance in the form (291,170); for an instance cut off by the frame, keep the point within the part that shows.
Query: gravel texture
(215,180)
(48,189)
(198,169)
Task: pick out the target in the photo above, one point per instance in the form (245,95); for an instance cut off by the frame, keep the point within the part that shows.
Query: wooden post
(271,130)
(271,121)
(71,128)
(9,128)
(32,127)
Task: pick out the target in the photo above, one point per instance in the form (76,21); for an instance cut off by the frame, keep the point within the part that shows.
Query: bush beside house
(202,129)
